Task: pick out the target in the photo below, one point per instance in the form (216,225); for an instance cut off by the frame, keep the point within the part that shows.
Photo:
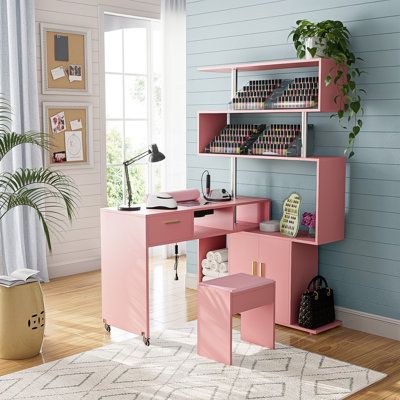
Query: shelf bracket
(234,177)
(304,131)
(234,82)
(234,89)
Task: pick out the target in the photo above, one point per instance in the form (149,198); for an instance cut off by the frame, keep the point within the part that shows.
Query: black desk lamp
(154,156)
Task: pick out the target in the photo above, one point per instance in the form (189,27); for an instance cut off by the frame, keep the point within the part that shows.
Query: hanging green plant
(330,39)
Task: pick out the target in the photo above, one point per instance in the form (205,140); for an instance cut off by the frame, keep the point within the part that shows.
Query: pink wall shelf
(210,123)
(324,67)
(265,65)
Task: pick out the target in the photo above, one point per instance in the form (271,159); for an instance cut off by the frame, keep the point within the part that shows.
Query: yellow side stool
(22,320)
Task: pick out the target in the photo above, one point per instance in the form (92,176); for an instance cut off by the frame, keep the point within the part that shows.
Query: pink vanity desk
(127,235)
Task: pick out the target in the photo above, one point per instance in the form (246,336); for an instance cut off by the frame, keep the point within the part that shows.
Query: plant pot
(311,232)
(21,321)
(319,44)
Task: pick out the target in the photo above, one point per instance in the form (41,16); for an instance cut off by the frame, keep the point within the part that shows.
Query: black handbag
(316,304)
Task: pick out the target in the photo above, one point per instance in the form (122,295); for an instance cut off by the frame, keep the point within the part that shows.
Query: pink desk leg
(214,325)
(258,325)
(124,272)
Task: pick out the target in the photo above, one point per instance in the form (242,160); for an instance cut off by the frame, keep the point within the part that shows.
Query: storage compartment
(221,218)
(291,265)
(208,244)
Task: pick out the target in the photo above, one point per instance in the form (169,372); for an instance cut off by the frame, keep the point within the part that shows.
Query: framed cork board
(69,126)
(66,59)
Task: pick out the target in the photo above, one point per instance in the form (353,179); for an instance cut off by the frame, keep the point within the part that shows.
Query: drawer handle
(176,221)
(254,267)
(263,270)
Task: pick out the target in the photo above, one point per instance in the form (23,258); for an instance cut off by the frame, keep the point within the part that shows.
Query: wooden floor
(73,312)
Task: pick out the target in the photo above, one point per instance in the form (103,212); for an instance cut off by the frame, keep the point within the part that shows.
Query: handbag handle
(315,280)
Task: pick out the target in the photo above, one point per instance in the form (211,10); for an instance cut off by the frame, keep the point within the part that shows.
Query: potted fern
(50,193)
(330,39)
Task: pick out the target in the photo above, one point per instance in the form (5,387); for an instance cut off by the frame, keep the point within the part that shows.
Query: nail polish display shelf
(297,93)
(282,140)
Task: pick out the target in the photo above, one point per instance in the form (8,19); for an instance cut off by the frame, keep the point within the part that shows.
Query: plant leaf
(328,80)
(46,191)
(9,140)
(312,51)
(355,106)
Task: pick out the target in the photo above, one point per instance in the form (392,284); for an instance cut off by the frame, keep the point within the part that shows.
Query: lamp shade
(155,154)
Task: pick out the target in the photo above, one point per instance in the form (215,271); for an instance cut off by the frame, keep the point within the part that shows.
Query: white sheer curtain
(173,18)
(22,239)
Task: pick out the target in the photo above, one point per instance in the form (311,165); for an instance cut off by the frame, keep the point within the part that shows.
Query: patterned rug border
(171,369)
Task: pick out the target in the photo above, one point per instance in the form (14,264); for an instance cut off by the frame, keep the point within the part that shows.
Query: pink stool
(219,299)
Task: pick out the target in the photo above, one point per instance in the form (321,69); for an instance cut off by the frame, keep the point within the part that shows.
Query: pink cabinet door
(275,260)
(243,252)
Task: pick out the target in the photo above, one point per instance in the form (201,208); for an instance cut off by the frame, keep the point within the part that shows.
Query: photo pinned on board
(74,72)
(58,122)
(59,157)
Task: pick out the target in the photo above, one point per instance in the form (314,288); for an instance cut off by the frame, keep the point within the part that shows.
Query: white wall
(79,248)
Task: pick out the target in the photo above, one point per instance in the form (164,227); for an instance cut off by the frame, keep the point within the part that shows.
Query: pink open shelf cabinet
(330,173)
(330,187)
(324,66)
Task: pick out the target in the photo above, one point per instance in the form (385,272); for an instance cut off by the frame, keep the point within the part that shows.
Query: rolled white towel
(209,272)
(210,256)
(213,265)
(205,264)
(221,255)
(208,278)
(223,267)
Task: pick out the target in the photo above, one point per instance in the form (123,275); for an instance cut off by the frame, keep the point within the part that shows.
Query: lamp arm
(128,184)
(137,158)
(127,179)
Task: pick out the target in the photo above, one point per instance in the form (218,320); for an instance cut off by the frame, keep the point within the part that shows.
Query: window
(133,104)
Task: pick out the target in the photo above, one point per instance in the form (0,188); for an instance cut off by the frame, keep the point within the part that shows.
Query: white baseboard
(370,323)
(191,281)
(78,267)
(353,319)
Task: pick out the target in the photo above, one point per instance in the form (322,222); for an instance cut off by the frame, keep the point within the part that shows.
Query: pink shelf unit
(324,66)
(330,182)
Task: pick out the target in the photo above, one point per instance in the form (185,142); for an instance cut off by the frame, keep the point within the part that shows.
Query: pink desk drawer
(163,229)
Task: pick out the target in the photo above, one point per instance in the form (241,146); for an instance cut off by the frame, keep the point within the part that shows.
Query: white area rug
(171,369)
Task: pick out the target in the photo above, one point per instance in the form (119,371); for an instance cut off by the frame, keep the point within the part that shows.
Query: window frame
(150,25)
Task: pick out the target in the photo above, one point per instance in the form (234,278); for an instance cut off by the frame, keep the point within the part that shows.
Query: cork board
(74,77)
(76,56)
(59,153)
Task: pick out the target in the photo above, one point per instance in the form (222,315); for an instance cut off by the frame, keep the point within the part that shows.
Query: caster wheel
(107,327)
(146,340)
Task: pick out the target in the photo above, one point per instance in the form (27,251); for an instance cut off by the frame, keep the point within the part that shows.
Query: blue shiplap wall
(364,269)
